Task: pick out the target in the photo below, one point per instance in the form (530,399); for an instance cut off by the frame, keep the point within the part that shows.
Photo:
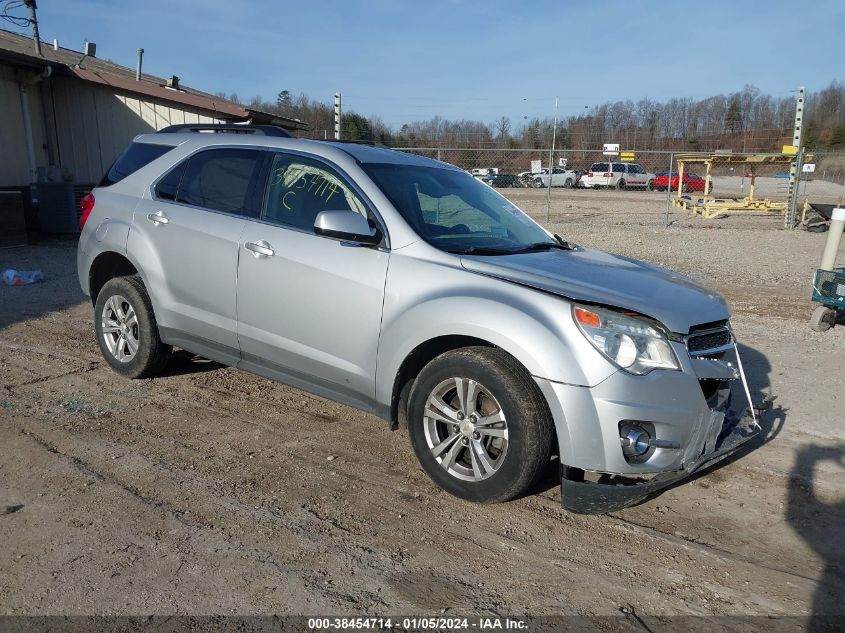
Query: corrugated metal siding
(93,125)
(14,162)
(89,125)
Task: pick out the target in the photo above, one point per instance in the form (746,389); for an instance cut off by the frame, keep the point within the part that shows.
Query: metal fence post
(551,166)
(792,204)
(669,189)
(795,167)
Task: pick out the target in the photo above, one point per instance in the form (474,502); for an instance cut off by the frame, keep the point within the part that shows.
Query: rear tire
(126,328)
(620,185)
(479,425)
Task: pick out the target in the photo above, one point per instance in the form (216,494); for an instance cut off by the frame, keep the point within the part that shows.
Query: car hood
(593,276)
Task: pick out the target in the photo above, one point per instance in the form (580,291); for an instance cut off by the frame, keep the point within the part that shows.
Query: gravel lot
(211,491)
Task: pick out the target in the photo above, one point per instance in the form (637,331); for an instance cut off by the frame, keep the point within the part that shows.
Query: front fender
(428,297)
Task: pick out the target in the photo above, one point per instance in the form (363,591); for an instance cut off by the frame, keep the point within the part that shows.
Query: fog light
(636,440)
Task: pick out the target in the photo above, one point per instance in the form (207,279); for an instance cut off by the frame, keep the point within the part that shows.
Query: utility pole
(33,19)
(795,166)
(337,116)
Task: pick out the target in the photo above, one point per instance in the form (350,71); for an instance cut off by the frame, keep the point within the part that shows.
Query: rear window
(137,155)
(600,167)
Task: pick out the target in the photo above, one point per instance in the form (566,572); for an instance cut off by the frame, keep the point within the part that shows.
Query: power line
(13,5)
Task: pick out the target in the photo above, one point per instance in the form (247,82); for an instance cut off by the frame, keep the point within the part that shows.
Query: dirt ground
(211,491)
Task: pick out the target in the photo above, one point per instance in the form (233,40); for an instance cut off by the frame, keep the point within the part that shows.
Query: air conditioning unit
(58,206)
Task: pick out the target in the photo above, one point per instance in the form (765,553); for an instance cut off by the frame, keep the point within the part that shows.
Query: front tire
(126,329)
(479,425)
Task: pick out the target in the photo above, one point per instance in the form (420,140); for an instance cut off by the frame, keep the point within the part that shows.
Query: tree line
(748,120)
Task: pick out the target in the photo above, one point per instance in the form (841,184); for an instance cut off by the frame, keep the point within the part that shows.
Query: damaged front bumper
(611,492)
(687,416)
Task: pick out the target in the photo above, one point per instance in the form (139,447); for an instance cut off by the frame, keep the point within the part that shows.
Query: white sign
(536,166)
(808,168)
(562,162)
(610,149)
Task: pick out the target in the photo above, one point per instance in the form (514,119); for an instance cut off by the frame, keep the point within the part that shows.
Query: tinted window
(600,167)
(168,186)
(223,180)
(300,188)
(619,167)
(137,155)
(634,169)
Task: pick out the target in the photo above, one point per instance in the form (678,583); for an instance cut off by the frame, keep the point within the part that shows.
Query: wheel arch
(423,354)
(418,358)
(107,265)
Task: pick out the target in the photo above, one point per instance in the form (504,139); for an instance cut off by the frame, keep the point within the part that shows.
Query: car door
(186,238)
(635,175)
(309,307)
(618,174)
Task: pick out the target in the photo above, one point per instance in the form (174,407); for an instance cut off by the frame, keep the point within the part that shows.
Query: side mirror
(346,225)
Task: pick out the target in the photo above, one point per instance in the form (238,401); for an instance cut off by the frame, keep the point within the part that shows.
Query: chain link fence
(648,186)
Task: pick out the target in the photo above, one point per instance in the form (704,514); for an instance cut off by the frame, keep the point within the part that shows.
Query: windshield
(454,212)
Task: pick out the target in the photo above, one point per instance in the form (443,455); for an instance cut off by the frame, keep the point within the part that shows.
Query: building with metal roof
(65,115)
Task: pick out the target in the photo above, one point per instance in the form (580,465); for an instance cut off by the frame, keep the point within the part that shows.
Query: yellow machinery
(710,206)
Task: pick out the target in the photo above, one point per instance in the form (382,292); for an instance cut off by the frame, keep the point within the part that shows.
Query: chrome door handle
(158,218)
(260,249)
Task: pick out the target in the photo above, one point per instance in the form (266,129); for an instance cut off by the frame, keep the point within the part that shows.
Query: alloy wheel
(465,429)
(120,328)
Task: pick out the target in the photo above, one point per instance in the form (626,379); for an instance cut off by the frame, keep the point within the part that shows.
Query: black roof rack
(262,130)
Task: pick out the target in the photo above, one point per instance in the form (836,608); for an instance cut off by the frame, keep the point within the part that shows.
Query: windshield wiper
(543,246)
(482,250)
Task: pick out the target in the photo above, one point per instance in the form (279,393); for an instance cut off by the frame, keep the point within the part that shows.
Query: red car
(691,182)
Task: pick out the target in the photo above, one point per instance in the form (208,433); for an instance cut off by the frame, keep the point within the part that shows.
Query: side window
(300,188)
(135,156)
(168,186)
(620,167)
(224,180)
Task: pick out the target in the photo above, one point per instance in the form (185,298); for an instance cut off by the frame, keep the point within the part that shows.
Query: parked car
(406,288)
(504,180)
(560,178)
(526,178)
(692,182)
(617,176)
(484,172)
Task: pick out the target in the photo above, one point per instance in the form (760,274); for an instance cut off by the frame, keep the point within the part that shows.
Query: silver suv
(406,288)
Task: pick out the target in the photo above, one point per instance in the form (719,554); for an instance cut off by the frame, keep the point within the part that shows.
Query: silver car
(404,287)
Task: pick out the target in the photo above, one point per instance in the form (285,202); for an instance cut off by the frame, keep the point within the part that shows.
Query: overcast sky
(480,59)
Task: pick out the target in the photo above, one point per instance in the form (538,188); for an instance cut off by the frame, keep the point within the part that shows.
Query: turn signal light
(587,318)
